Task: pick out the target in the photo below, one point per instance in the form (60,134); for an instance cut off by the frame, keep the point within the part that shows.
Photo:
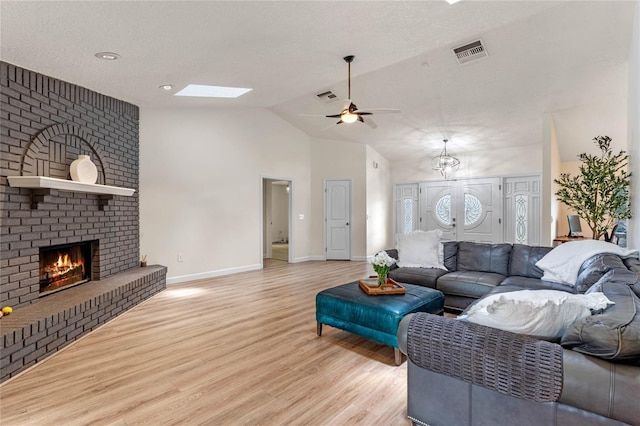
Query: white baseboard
(229,271)
(308,259)
(322,258)
(212,274)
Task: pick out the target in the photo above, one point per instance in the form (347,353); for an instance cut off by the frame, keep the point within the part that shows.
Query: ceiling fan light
(348,117)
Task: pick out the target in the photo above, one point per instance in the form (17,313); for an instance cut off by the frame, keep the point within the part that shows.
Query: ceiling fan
(350,112)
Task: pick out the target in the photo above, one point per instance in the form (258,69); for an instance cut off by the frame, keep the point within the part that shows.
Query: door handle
(347,223)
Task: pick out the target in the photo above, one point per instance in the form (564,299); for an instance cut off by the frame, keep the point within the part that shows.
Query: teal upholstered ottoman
(349,308)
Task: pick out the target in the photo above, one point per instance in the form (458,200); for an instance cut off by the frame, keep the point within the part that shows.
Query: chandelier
(444,162)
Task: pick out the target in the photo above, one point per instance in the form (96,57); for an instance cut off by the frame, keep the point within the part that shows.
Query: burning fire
(63,265)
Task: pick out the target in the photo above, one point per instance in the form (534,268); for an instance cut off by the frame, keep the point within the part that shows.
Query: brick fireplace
(45,125)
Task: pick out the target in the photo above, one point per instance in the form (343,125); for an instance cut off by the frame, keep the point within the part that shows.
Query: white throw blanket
(562,264)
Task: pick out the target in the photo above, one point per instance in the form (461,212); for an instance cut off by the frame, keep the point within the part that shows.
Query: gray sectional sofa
(462,373)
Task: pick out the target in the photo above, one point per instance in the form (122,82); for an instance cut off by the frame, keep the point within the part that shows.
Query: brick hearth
(32,333)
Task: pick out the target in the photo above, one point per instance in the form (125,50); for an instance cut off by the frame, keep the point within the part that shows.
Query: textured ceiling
(568,59)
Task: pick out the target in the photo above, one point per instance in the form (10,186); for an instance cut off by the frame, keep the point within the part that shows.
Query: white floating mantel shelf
(43,182)
(41,187)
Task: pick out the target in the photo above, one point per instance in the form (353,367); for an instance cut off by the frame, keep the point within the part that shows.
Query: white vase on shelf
(83,170)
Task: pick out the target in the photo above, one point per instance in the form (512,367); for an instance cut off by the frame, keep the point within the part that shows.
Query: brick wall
(45,124)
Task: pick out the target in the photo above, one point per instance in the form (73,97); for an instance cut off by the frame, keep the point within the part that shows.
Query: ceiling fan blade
(369,122)
(329,127)
(332,116)
(311,115)
(364,113)
(380,110)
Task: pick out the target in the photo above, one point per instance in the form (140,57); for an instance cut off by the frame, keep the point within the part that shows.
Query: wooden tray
(370,286)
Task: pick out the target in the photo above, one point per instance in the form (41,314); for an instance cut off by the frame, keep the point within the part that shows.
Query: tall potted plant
(599,194)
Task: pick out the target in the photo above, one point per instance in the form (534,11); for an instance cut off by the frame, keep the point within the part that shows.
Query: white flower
(382,259)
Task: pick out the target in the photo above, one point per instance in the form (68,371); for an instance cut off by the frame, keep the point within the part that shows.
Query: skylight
(203,91)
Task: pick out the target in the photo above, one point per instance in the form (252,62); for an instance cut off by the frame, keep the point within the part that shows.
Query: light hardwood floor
(234,350)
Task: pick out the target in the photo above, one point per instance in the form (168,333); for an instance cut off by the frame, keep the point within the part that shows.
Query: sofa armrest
(403,331)
(505,362)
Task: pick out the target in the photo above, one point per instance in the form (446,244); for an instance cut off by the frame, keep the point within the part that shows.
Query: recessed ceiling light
(166,87)
(204,91)
(452,1)
(107,56)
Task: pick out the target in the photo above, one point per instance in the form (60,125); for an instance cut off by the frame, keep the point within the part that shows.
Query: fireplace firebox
(64,266)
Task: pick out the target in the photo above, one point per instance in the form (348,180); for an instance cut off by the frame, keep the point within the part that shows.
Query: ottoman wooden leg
(319,328)
(397,355)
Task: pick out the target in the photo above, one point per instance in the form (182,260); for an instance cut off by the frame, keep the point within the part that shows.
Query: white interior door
(338,219)
(465,210)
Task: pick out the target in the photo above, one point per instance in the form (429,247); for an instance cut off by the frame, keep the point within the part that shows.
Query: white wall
(338,160)
(557,215)
(518,160)
(550,161)
(201,182)
(379,212)
(633,236)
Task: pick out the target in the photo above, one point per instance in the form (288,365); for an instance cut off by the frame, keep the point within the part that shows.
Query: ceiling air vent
(470,52)
(327,96)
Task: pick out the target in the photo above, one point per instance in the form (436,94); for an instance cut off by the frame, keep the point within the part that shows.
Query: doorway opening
(276,219)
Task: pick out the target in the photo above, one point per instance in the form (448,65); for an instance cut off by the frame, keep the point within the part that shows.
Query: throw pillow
(544,314)
(420,250)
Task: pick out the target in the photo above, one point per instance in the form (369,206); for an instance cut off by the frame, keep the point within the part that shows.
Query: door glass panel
(443,209)
(472,209)
(408,216)
(521,202)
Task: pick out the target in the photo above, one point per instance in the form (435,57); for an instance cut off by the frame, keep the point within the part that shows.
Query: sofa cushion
(594,268)
(535,284)
(524,258)
(450,255)
(420,250)
(614,333)
(468,283)
(425,277)
(483,257)
(544,314)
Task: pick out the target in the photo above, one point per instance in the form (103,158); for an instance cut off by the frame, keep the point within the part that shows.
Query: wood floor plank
(234,350)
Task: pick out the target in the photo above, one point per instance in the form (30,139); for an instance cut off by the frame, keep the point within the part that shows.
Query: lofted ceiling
(564,58)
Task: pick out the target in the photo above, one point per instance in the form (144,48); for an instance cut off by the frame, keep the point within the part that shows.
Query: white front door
(465,210)
(480,210)
(338,219)
(436,201)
